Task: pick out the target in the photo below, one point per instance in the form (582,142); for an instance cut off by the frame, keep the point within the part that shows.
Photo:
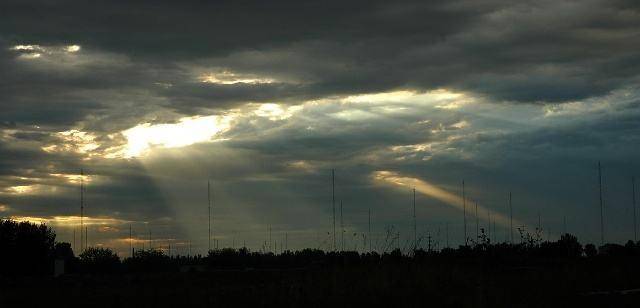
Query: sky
(263,99)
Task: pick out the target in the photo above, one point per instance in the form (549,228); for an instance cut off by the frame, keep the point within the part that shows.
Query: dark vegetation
(533,273)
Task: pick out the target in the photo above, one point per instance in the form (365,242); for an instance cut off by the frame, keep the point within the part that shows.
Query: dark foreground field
(532,273)
(602,282)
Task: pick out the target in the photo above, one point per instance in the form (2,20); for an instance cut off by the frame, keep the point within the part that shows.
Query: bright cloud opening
(74,141)
(276,112)
(229,78)
(189,130)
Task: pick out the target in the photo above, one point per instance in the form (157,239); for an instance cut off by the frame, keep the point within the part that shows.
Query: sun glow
(190,130)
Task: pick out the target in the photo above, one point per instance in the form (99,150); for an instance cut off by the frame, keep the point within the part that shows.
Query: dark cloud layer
(549,51)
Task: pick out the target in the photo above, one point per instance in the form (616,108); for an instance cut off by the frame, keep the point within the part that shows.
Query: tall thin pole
(477,224)
(369,236)
(333,204)
(489,224)
(447,233)
(601,205)
(415,232)
(511,217)
(130,241)
(341,226)
(209,204)
(464,213)
(81,209)
(635,224)
(270,241)
(495,234)
(539,223)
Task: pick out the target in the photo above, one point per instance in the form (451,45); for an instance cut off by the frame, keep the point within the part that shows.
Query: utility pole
(333,204)
(415,232)
(601,205)
(511,217)
(464,213)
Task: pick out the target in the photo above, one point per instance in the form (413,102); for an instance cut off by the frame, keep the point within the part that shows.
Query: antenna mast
(369,228)
(489,224)
(601,206)
(341,226)
(464,213)
(635,224)
(477,224)
(511,217)
(415,233)
(81,209)
(447,232)
(130,241)
(209,204)
(333,204)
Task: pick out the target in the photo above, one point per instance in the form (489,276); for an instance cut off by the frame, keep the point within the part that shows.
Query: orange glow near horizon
(70,221)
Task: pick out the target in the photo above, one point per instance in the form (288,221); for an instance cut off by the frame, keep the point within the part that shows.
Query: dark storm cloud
(548,51)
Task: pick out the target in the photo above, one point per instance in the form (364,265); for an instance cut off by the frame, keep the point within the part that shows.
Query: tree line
(30,249)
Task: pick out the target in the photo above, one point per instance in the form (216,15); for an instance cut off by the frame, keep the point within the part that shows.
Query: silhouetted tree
(98,259)
(27,248)
(148,261)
